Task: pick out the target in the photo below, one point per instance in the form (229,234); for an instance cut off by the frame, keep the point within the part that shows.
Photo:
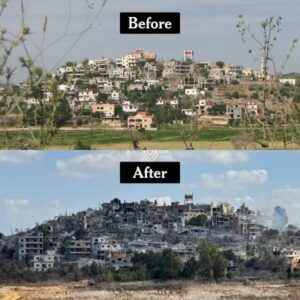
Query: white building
(290,81)
(129,107)
(87,95)
(188,55)
(115,96)
(189,112)
(252,108)
(44,262)
(173,102)
(192,92)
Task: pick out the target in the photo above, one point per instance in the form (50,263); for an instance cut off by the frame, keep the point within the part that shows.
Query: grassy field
(144,291)
(170,138)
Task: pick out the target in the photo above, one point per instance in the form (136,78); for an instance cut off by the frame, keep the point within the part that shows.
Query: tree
(271,233)
(190,269)
(108,276)
(211,261)
(220,64)
(102,97)
(204,72)
(159,69)
(200,220)
(217,110)
(71,63)
(169,265)
(229,255)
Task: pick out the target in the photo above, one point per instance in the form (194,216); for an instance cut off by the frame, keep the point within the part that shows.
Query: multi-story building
(235,112)
(87,95)
(107,109)
(141,121)
(29,245)
(44,262)
(173,102)
(188,55)
(129,107)
(293,258)
(79,247)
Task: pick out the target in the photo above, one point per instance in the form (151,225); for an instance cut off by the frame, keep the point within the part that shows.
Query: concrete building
(192,92)
(235,112)
(188,55)
(141,121)
(129,107)
(29,245)
(290,81)
(173,102)
(107,109)
(79,247)
(87,95)
(44,262)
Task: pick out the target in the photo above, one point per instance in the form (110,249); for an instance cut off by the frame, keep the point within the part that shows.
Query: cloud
(87,165)
(15,203)
(22,213)
(19,157)
(161,201)
(217,157)
(233,179)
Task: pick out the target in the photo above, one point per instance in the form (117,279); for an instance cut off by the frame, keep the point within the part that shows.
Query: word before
(134,23)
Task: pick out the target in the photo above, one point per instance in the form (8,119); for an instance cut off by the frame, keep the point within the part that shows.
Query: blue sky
(208,27)
(36,186)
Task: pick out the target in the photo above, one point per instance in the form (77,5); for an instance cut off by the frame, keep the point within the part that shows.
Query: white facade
(188,55)
(87,95)
(192,92)
(115,96)
(44,262)
(290,81)
(189,112)
(128,107)
(173,102)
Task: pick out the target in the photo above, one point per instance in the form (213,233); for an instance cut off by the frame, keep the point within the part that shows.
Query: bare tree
(278,120)
(45,116)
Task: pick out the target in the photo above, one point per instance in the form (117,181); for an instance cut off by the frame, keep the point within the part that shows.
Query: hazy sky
(38,185)
(208,27)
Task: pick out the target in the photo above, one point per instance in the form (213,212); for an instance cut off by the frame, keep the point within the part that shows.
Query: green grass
(168,138)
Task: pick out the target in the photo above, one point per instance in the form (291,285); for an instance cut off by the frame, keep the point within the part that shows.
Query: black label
(150,172)
(150,23)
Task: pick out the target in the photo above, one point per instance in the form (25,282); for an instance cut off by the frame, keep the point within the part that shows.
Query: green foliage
(274,264)
(229,255)
(82,146)
(271,233)
(102,98)
(204,72)
(169,266)
(191,269)
(211,262)
(139,273)
(159,69)
(200,220)
(108,276)
(220,64)
(217,110)
(80,234)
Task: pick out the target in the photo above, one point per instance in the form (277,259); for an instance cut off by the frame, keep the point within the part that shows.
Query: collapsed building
(112,233)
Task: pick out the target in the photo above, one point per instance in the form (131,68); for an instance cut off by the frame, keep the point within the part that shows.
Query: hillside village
(138,91)
(113,235)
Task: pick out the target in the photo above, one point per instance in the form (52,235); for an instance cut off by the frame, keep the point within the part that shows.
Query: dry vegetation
(145,291)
